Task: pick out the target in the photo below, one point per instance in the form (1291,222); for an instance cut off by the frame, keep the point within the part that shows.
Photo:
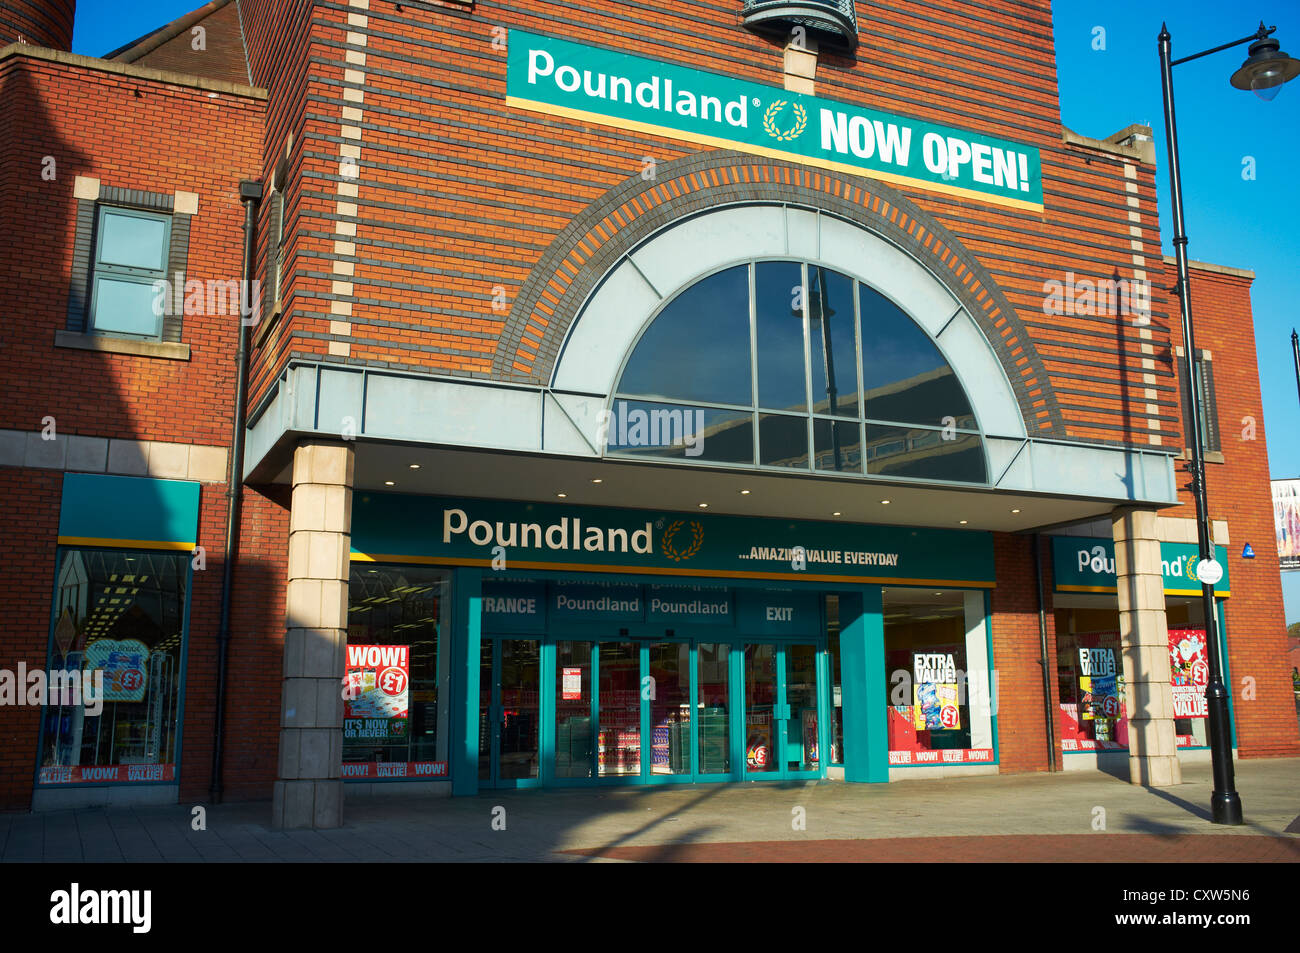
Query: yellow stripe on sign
(670,133)
(671,571)
(168,544)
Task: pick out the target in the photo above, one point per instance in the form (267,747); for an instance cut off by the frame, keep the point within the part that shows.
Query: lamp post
(1295,354)
(1264,72)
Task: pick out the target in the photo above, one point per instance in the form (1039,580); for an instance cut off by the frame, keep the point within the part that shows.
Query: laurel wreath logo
(795,131)
(697,540)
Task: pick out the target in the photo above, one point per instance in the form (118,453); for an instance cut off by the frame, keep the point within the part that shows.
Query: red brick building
(899,333)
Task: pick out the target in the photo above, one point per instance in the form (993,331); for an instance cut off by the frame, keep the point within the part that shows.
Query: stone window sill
(163,350)
(1211,456)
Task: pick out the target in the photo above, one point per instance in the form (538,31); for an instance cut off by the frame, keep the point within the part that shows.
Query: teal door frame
(496,710)
(862,671)
(787,718)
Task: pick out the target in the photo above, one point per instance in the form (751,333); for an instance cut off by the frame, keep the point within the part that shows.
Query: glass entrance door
(509,712)
(801,755)
(782,723)
(618,710)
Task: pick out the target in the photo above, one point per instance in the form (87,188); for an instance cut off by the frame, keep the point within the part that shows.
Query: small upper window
(130,258)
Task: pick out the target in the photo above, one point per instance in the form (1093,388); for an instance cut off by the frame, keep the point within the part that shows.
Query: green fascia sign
(391,527)
(1087,564)
(612,88)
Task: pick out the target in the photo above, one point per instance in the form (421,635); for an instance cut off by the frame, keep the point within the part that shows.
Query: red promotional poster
(376,682)
(1189,669)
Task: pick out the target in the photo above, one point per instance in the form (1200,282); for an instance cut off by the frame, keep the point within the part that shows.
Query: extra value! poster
(375,690)
(934,694)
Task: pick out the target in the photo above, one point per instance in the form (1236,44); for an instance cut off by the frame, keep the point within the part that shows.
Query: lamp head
(1266,68)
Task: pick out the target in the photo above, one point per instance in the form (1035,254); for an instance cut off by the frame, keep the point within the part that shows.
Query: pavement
(1084,816)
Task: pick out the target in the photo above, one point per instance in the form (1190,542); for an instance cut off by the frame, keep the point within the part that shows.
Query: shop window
(119,615)
(939,701)
(1090,676)
(131,249)
(396,718)
(781,364)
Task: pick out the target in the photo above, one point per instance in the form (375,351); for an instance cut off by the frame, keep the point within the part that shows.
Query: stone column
(1144,644)
(309,790)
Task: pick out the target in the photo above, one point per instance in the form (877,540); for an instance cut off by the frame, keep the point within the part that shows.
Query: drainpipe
(1045,660)
(250,193)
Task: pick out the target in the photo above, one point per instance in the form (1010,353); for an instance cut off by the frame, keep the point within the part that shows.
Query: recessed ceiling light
(389,483)
(886,502)
(415,466)
(1015,511)
(562,495)
(597,480)
(836,513)
(744,493)
(704,506)
(963,522)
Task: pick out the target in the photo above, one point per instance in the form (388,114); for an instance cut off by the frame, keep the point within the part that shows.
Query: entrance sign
(548,75)
(390,527)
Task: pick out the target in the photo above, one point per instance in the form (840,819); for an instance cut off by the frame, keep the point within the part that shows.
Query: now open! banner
(548,75)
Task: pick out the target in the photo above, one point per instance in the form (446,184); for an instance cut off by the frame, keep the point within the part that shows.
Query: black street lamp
(1264,72)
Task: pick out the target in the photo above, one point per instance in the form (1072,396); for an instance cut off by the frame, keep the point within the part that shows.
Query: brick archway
(595,241)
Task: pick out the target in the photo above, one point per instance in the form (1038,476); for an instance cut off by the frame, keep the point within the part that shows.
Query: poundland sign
(518,535)
(617,89)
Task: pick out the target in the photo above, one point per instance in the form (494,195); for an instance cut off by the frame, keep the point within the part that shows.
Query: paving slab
(1068,817)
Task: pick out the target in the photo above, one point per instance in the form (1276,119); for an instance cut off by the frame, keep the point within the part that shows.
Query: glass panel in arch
(837,445)
(783,441)
(702,434)
(923,453)
(834,345)
(778,331)
(905,377)
(697,349)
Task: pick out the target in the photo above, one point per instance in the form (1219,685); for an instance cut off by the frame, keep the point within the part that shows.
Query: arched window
(789,365)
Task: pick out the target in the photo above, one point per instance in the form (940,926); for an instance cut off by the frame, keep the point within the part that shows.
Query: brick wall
(38,22)
(1238,491)
(254,660)
(458,193)
(27,552)
(1017,656)
(134,134)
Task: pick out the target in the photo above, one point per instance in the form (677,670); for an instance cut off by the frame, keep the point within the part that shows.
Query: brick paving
(1030,848)
(1071,817)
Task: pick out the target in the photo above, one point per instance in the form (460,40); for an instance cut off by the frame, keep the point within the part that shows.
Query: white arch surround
(630,295)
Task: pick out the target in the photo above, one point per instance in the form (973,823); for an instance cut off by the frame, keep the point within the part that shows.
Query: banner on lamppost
(1286,522)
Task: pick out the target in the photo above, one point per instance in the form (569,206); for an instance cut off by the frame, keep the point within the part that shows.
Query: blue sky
(1230,220)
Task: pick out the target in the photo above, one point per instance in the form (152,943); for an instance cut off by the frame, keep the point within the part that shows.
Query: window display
(395,716)
(936,664)
(119,616)
(1090,677)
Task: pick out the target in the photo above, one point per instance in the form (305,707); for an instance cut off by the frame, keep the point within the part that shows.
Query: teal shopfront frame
(482,543)
(866,758)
